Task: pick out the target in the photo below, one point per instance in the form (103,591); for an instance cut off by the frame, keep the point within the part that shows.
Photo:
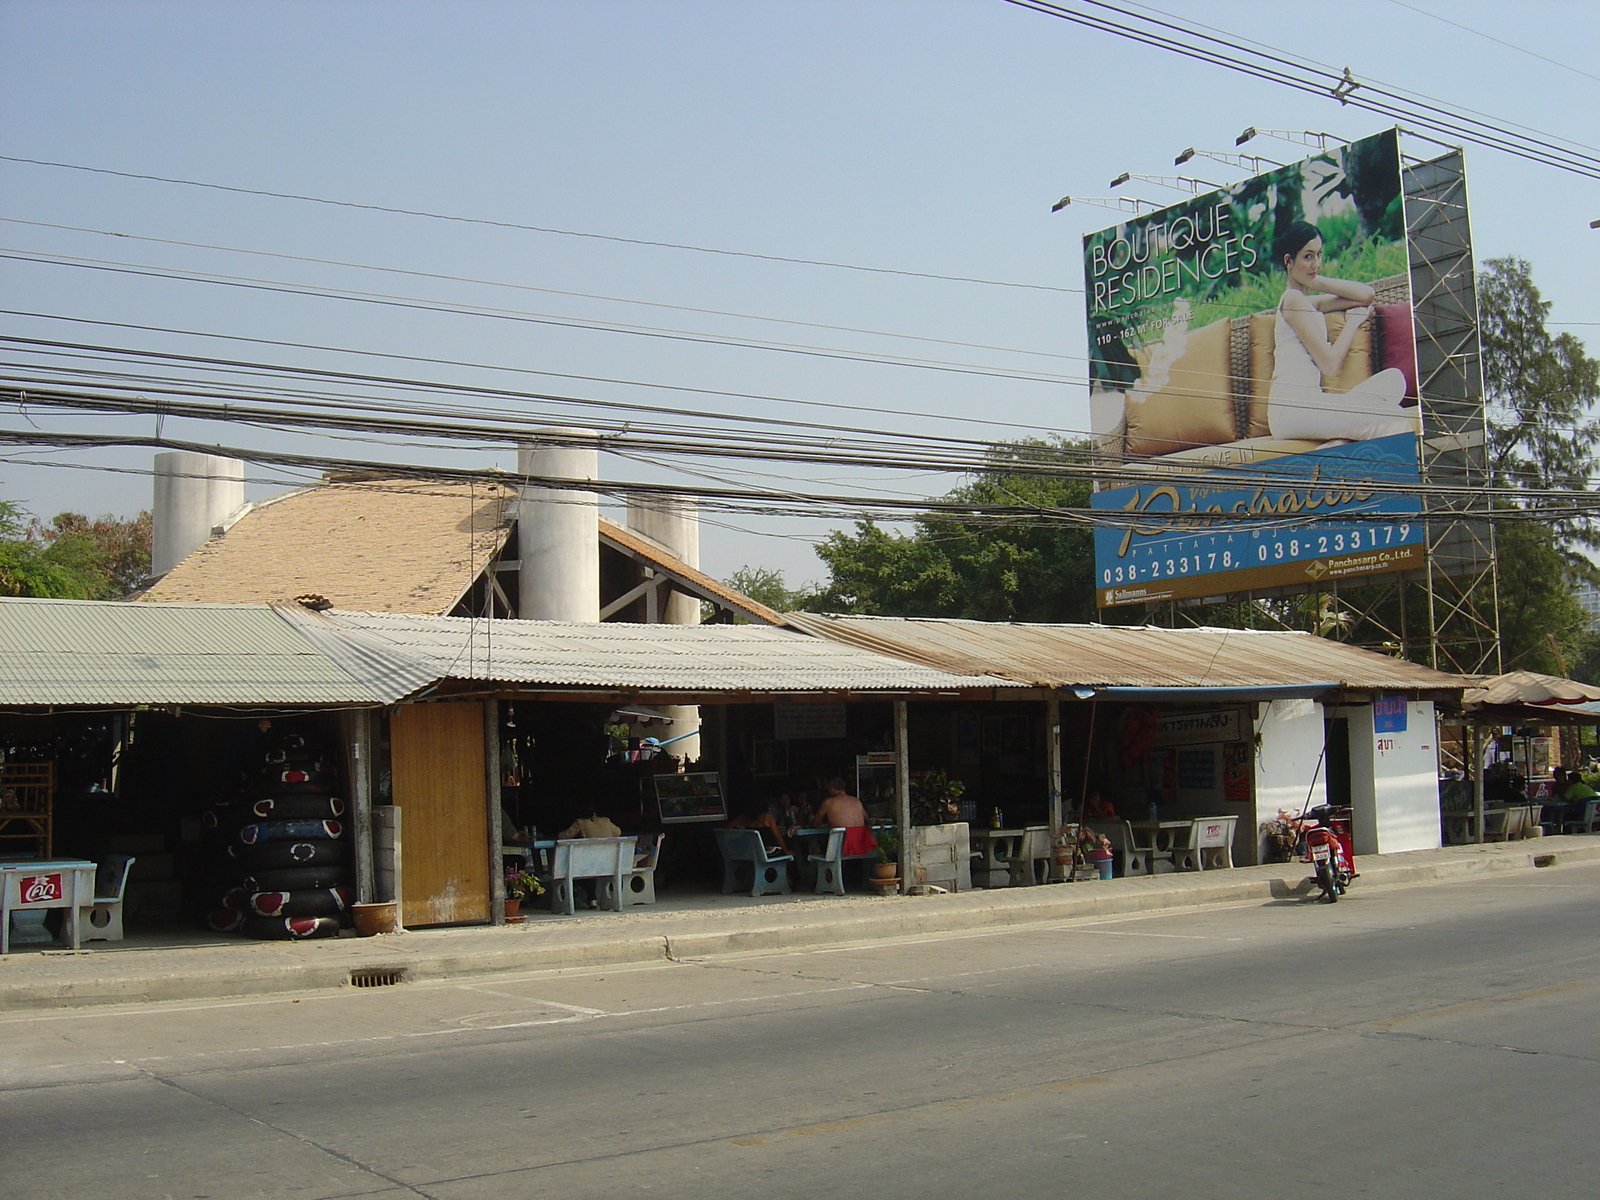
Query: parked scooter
(1328,848)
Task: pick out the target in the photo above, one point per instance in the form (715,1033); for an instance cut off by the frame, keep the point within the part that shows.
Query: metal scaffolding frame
(1456,627)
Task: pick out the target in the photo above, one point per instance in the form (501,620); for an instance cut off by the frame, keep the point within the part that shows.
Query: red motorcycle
(1328,848)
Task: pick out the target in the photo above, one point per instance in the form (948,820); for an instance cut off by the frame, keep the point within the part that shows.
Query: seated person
(1097,809)
(1576,790)
(758,816)
(840,810)
(592,826)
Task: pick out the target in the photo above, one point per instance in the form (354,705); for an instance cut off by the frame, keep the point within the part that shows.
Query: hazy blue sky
(926,137)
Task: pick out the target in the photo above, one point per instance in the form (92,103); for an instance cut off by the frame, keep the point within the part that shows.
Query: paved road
(1432,1041)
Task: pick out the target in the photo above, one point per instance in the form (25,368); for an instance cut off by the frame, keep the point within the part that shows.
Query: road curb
(69,980)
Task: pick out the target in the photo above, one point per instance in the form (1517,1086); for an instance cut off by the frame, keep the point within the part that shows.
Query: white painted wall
(1288,748)
(1394,780)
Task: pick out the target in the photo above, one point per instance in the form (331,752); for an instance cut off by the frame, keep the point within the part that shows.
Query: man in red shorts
(840,810)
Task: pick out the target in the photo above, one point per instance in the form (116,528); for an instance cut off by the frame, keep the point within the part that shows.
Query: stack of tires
(283,850)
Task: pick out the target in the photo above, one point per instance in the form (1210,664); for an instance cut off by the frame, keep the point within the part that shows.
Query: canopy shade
(1519,688)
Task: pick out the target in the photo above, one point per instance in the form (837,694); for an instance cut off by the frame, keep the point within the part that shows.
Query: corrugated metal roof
(1103,656)
(662,658)
(86,652)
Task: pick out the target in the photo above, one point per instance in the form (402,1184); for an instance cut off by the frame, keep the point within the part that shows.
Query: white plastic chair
(101,921)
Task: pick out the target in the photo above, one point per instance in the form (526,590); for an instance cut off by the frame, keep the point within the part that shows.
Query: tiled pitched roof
(374,545)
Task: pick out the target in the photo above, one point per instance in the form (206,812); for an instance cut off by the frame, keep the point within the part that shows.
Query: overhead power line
(498,224)
(1280,67)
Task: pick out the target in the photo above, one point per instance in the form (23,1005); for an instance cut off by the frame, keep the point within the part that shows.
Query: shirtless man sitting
(841,810)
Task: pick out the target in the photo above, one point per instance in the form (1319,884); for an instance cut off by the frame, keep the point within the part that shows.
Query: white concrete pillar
(194,493)
(558,534)
(674,523)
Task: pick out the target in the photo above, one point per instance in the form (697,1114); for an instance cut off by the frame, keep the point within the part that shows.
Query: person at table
(840,810)
(1097,809)
(760,817)
(1569,787)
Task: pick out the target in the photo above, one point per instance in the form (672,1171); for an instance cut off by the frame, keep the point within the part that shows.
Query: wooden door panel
(437,769)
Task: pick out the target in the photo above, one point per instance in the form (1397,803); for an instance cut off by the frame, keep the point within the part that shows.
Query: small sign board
(1193,728)
(40,889)
(694,797)
(1389,714)
(820,718)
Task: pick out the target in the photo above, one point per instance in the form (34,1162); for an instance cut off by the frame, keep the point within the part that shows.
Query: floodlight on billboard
(1253,368)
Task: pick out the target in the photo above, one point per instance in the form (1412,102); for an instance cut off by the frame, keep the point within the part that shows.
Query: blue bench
(743,852)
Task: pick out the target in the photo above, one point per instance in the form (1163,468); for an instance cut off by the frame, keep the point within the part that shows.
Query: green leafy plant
(888,845)
(523,885)
(934,797)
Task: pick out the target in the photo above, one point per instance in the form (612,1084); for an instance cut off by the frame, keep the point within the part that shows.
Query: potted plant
(1283,834)
(887,868)
(520,885)
(935,797)
(1096,848)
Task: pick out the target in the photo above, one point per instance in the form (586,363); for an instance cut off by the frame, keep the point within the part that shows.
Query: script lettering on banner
(40,889)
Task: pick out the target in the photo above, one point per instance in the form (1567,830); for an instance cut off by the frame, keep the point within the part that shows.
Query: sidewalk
(109,973)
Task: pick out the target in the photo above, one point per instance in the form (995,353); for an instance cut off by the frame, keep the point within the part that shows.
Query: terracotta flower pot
(514,912)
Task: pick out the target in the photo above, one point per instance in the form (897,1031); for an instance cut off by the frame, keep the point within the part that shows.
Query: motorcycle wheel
(1328,882)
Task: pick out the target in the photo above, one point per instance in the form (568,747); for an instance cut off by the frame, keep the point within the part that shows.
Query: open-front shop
(254,758)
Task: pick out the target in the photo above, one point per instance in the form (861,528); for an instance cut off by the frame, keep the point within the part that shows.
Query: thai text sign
(1183,728)
(1389,714)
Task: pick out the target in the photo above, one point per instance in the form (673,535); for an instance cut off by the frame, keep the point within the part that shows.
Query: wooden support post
(902,792)
(357,728)
(491,796)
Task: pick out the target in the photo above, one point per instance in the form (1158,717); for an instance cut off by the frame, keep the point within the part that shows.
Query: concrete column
(194,493)
(674,523)
(558,538)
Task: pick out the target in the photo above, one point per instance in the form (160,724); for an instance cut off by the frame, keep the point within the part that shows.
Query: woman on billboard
(1297,407)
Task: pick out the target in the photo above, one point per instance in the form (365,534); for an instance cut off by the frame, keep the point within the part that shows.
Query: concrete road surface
(1438,1041)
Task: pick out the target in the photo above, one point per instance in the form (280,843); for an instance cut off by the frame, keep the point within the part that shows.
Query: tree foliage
(1026,569)
(74,557)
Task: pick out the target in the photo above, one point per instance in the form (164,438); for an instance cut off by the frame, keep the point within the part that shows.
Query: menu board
(692,797)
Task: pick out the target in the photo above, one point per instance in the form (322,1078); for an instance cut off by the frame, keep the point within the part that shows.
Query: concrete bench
(607,859)
(743,852)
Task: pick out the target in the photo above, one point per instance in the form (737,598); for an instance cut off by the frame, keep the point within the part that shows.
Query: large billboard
(1253,365)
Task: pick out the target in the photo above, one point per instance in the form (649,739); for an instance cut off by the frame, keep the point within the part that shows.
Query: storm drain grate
(376,976)
(1544,860)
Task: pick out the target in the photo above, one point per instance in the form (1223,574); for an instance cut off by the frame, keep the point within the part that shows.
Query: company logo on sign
(40,889)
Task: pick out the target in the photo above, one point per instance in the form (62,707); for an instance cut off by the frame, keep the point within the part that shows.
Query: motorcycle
(1328,848)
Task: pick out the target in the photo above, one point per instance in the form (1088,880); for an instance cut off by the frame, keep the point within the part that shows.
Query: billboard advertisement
(1253,366)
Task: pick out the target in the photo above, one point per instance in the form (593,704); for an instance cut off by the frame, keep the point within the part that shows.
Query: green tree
(73,557)
(1539,389)
(1023,568)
